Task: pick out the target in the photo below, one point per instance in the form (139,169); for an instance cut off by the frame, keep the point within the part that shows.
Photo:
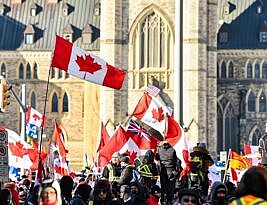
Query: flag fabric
(250,149)
(214,174)
(104,138)
(61,168)
(141,136)
(59,143)
(85,65)
(151,112)
(115,143)
(34,117)
(238,162)
(153,90)
(21,154)
(31,130)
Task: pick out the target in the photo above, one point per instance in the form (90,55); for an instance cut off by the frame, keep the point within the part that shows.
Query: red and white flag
(176,137)
(85,65)
(251,149)
(34,117)
(153,90)
(115,143)
(151,112)
(104,138)
(21,154)
(141,136)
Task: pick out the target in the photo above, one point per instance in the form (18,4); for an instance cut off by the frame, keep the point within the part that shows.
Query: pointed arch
(54,102)
(230,70)
(251,102)
(262,102)
(33,99)
(65,103)
(249,70)
(223,70)
(226,125)
(21,71)
(151,43)
(35,71)
(264,70)
(256,70)
(28,71)
(3,70)
(254,135)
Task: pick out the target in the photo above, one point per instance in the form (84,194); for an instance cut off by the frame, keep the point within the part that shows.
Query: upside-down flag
(85,65)
(152,112)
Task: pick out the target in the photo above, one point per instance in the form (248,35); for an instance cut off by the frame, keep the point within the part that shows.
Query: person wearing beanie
(112,171)
(154,195)
(189,197)
(81,195)
(102,193)
(50,193)
(127,170)
(218,194)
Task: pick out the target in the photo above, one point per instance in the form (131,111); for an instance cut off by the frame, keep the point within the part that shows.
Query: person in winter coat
(170,168)
(127,170)
(102,193)
(252,188)
(13,189)
(81,195)
(50,193)
(218,194)
(154,195)
(5,197)
(138,194)
(148,169)
(189,197)
(66,186)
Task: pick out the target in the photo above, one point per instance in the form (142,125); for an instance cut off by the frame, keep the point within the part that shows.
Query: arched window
(3,70)
(223,70)
(152,44)
(226,125)
(53,73)
(264,70)
(28,71)
(65,107)
(262,103)
(35,70)
(231,70)
(59,73)
(249,70)
(257,71)
(21,71)
(251,102)
(54,103)
(256,137)
(33,100)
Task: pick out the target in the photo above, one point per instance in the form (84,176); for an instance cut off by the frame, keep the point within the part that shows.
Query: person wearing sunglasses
(189,197)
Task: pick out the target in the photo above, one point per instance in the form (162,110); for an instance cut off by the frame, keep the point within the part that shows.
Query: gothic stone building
(169,44)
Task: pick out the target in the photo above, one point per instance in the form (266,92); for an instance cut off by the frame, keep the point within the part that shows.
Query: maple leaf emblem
(158,114)
(132,155)
(88,64)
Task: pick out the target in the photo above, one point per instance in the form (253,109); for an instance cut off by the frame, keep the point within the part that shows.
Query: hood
(215,186)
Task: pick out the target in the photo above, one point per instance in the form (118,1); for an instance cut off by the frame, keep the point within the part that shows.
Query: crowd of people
(152,180)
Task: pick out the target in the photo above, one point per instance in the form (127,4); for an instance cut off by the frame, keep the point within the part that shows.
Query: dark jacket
(126,175)
(115,168)
(212,199)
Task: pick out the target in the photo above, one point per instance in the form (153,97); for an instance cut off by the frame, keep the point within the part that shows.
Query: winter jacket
(153,200)
(126,175)
(249,200)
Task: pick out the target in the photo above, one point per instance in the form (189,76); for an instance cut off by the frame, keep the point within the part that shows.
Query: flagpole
(227,165)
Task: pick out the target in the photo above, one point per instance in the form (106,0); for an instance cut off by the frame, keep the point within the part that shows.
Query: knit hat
(155,189)
(189,192)
(116,154)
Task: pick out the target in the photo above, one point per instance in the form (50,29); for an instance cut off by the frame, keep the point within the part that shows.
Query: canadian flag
(21,154)
(115,143)
(176,137)
(34,117)
(151,112)
(104,138)
(85,65)
(252,154)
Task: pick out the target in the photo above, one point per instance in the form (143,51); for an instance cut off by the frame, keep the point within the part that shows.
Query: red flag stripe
(142,106)
(62,53)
